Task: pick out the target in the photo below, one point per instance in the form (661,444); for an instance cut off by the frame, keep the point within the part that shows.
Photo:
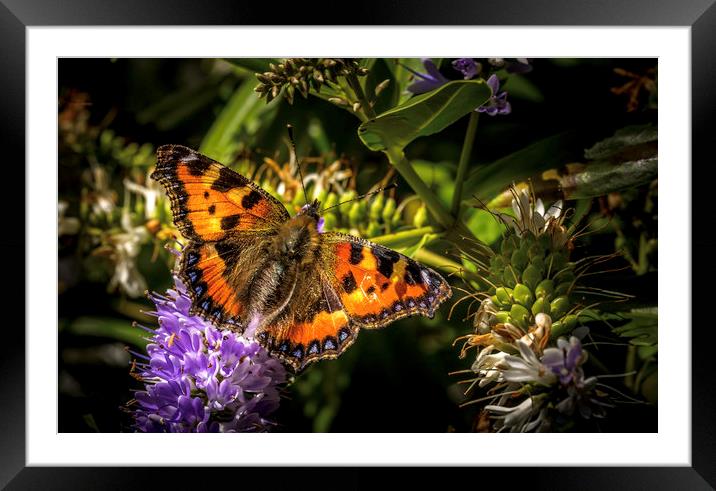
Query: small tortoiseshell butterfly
(251,267)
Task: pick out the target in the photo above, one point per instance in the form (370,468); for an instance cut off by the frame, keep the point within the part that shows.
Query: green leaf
(402,75)
(600,179)
(412,250)
(485,226)
(178,106)
(439,176)
(623,138)
(423,115)
(254,65)
(390,96)
(642,328)
(241,107)
(107,327)
(489,180)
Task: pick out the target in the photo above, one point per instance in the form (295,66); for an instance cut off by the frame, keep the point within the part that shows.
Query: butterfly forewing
(209,199)
(377,285)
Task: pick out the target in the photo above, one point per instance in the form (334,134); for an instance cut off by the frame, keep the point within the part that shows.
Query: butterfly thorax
(297,240)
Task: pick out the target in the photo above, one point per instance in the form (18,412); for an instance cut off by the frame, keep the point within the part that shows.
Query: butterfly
(302,293)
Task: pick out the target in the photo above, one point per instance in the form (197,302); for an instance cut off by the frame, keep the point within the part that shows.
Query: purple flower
(565,360)
(200,379)
(467,66)
(497,103)
(425,82)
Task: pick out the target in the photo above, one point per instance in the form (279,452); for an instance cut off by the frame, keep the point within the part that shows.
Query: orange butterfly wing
(315,329)
(226,219)
(377,285)
(357,285)
(208,199)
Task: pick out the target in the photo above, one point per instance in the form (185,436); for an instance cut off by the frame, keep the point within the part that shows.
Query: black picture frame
(700,15)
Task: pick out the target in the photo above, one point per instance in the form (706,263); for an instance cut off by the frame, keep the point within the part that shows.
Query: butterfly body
(301,292)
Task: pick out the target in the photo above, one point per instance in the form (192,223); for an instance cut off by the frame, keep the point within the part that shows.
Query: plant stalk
(405,238)
(401,164)
(463,163)
(437,261)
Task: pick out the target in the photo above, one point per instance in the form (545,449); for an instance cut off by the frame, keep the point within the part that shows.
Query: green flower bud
(535,250)
(330,221)
(540,305)
(321,197)
(531,276)
(376,207)
(538,263)
(564,276)
(397,218)
(562,289)
(388,210)
(363,205)
(519,259)
(331,200)
(555,262)
(520,316)
(559,306)
(508,277)
(544,289)
(504,296)
(374,229)
(354,215)
(345,208)
(497,263)
(507,246)
(523,295)
(502,316)
(564,326)
(421,217)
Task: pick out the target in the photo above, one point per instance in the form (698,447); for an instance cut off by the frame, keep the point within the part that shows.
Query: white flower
(489,365)
(530,215)
(515,417)
(127,246)
(102,197)
(526,367)
(151,193)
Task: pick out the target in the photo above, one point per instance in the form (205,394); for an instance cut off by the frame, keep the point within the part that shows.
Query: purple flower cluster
(467,66)
(200,379)
(565,360)
(496,104)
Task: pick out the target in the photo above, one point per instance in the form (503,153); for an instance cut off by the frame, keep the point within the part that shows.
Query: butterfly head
(312,210)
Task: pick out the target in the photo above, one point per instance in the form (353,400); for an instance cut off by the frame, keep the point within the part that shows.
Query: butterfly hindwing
(209,199)
(319,329)
(377,285)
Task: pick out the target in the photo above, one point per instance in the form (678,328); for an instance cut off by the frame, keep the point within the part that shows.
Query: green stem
(405,238)
(437,261)
(436,208)
(463,164)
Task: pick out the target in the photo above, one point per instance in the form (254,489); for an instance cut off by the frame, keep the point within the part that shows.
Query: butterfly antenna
(294,155)
(380,190)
